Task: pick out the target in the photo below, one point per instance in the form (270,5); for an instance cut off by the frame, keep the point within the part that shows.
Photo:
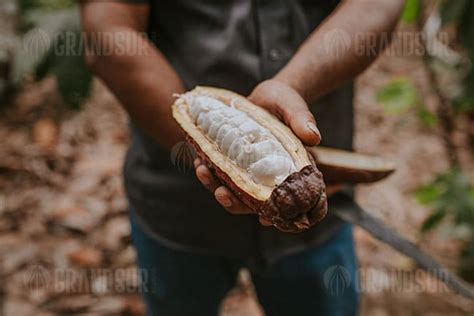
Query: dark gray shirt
(235,45)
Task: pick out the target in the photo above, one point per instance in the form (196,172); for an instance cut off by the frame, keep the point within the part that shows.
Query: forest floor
(65,237)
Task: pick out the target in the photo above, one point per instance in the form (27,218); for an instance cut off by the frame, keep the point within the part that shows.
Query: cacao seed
(255,155)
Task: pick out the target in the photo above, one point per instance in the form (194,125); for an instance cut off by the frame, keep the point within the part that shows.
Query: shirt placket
(275,48)
(274,33)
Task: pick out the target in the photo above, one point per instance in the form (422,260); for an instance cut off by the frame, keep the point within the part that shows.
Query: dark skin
(146,91)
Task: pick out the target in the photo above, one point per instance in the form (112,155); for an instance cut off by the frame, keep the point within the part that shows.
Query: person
(296,59)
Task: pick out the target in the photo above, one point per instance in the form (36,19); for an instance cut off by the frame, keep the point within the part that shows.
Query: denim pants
(318,281)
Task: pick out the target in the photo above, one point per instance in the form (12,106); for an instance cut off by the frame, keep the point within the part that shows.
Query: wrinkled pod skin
(295,201)
(291,206)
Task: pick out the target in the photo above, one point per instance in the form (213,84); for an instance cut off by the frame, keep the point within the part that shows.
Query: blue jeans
(317,281)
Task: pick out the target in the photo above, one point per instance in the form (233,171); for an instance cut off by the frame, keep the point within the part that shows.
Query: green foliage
(53,46)
(466,262)
(433,220)
(73,77)
(451,11)
(411,12)
(465,103)
(460,13)
(452,194)
(26,5)
(426,117)
(400,96)
(428,194)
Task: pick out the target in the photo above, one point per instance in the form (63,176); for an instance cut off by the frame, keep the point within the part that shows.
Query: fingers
(233,205)
(228,200)
(288,105)
(264,222)
(223,195)
(205,176)
(302,122)
(296,114)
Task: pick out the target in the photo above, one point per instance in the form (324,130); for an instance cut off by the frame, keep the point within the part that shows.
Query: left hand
(285,103)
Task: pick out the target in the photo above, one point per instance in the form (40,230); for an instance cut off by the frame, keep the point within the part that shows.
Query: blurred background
(64,234)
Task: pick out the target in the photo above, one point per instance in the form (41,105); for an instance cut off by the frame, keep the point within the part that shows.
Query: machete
(345,208)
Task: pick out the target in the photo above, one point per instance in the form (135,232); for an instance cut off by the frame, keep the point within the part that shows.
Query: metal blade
(346,209)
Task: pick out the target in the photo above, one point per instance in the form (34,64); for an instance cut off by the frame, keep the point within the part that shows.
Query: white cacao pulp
(240,138)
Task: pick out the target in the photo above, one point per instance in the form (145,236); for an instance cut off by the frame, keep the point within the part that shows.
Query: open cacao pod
(255,155)
(340,166)
(263,162)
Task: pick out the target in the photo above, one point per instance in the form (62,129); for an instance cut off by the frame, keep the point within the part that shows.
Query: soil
(63,209)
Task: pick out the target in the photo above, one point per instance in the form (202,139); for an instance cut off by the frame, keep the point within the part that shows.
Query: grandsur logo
(336,42)
(336,280)
(36,278)
(182,156)
(36,42)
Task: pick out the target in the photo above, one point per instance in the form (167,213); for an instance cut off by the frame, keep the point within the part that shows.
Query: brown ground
(62,208)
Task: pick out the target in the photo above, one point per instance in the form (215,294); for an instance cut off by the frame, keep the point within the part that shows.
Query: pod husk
(340,166)
(295,204)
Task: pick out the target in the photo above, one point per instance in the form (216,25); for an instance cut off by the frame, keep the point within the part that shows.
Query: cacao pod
(255,155)
(340,166)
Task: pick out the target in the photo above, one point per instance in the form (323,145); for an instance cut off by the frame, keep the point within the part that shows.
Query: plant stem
(444,109)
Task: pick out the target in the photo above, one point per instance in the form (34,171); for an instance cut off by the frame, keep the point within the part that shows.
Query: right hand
(222,194)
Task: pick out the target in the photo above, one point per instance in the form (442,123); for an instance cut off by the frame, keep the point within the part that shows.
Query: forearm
(143,82)
(133,69)
(332,53)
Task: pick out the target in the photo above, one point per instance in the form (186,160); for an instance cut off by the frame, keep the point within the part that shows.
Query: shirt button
(274,54)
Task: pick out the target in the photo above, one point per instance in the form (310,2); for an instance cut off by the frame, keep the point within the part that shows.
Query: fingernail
(225,201)
(203,175)
(197,162)
(313,128)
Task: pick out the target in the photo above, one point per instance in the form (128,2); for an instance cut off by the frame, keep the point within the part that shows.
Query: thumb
(289,106)
(302,122)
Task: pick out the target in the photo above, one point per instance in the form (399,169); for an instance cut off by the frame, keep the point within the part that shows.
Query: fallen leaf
(86,257)
(45,133)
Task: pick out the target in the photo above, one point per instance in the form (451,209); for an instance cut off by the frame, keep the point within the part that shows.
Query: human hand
(289,106)
(285,103)
(222,194)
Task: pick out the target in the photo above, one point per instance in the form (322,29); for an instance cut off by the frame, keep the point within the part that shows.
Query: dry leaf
(86,257)
(45,133)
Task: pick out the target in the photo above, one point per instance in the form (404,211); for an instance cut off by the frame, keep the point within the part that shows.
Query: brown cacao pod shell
(340,166)
(293,205)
